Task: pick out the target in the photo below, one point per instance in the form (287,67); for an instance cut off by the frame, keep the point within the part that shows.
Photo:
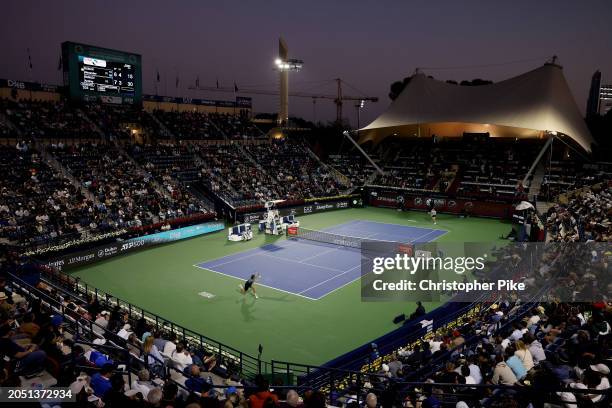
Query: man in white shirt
(518,332)
(170,346)
(181,357)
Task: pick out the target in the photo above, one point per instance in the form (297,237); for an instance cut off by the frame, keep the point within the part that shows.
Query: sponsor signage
(27,86)
(241,102)
(117,248)
(453,206)
(309,208)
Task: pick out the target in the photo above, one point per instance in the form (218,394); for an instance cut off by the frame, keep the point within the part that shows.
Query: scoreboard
(101,74)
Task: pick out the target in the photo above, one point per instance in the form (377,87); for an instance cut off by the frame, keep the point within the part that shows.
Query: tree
(397,87)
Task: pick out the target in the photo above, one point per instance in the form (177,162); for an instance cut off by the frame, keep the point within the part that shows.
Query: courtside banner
(306,209)
(122,247)
(467,271)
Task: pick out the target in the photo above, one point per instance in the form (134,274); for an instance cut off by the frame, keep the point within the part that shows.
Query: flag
(235,87)
(177,81)
(217,82)
(158,75)
(29,59)
(59,63)
(198,81)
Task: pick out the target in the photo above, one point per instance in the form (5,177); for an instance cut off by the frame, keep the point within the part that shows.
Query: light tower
(284,65)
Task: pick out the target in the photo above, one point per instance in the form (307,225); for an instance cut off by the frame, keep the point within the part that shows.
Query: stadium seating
(465,169)
(46,119)
(188,125)
(228,164)
(74,173)
(38,204)
(126,193)
(297,174)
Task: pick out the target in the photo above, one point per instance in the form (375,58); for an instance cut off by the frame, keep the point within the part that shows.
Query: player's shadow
(282,298)
(247,307)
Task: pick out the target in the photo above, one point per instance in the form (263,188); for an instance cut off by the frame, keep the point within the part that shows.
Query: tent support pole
(348,136)
(537,159)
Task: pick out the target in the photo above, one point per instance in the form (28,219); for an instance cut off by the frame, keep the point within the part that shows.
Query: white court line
(239,252)
(319,254)
(332,278)
(258,283)
(304,263)
(356,279)
(256,252)
(422,236)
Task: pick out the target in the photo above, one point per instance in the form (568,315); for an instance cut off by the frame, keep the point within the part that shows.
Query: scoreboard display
(101,74)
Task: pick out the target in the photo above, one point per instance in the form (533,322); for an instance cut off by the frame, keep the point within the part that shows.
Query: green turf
(164,281)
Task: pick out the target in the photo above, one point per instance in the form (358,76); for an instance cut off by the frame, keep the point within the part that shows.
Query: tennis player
(433,214)
(249,285)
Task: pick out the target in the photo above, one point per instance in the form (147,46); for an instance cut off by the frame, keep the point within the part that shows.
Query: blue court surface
(312,269)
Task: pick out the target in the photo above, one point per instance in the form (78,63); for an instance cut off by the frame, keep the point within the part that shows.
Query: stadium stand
(297,174)
(125,193)
(247,185)
(462,168)
(487,353)
(187,125)
(585,218)
(47,119)
(39,204)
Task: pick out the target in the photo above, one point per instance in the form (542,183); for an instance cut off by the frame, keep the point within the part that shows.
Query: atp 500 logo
(131,245)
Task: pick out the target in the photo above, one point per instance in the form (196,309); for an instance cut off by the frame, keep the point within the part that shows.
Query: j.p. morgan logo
(80,258)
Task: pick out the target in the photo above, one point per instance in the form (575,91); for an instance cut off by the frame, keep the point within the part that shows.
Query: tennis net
(331,238)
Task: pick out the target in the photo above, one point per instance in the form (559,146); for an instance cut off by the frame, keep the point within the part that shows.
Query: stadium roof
(528,105)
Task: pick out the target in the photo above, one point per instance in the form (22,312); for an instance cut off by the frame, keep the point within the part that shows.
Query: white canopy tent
(528,105)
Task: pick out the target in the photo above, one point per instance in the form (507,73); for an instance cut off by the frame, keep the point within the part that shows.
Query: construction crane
(338,99)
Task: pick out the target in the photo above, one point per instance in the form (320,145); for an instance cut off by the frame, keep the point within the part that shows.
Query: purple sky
(368,44)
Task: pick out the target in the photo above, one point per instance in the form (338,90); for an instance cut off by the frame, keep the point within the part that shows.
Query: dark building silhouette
(593,100)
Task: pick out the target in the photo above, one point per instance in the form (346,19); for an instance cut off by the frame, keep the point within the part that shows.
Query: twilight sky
(367,43)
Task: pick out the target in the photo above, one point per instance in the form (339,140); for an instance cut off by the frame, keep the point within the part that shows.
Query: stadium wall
(458,206)
(102,252)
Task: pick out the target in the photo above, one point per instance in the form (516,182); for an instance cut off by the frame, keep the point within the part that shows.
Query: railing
(339,373)
(235,359)
(82,331)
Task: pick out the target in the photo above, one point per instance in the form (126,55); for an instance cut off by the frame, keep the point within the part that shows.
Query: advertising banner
(309,208)
(118,248)
(444,205)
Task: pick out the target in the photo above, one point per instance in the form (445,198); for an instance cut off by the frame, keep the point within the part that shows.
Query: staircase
(158,187)
(7,121)
(165,131)
(338,176)
(197,159)
(245,153)
(94,125)
(59,167)
(536,182)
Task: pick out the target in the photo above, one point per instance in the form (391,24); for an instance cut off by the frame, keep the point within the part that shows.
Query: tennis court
(312,269)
